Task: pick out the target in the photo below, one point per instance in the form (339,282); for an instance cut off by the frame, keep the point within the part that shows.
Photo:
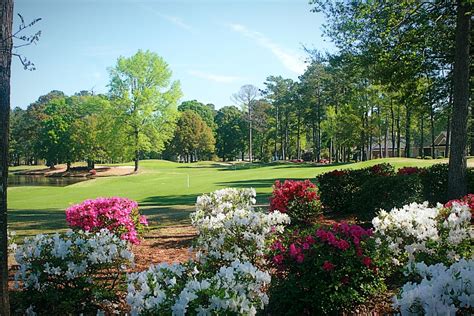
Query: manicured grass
(161,188)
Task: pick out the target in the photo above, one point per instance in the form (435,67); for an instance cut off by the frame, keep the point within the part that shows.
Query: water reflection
(15,180)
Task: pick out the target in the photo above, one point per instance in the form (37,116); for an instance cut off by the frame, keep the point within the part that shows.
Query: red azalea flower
(367,261)
(328,266)
(278,259)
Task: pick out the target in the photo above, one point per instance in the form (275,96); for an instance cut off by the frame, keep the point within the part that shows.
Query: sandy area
(81,171)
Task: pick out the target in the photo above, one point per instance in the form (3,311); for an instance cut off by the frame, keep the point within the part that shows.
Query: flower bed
(118,215)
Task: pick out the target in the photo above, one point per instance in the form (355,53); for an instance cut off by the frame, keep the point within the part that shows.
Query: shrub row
(365,191)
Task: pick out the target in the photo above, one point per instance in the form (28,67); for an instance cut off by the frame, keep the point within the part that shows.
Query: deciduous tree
(145,100)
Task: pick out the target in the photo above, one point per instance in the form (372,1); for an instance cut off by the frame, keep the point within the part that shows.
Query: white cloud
(290,60)
(177,21)
(214,77)
(170,18)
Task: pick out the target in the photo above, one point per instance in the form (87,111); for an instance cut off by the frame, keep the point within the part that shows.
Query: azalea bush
(438,290)
(231,229)
(298,199)
(119,215)
(11,240)
(228,276)
(74,272)
(237,289)
(322,270)
(417,232)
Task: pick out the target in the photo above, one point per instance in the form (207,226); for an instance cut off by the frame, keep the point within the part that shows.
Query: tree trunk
(457,180)
(448,134)
(363,153)
(298,132)
(318,155)
(250,133)
(422,138)
(137,151)
(330,150)
(313,124)
(471,149)
(386,137)
(433,155)
(399,136)
(68,166)
(408,133)
(6,19)
(392,123)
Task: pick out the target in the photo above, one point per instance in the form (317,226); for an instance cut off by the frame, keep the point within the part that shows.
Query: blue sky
(213,47)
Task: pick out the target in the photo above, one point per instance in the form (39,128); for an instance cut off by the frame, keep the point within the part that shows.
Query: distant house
(378,152)
(440,147)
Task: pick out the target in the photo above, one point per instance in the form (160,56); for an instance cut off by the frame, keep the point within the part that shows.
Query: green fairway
(161,188)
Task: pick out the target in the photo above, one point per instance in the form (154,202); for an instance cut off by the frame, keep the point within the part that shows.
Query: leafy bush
(416,233)
(237,289)
(298,199)
(228,275)
(230,229)
(438,290)
(11,240)
(70,273)
(118,215)
(322,271)
(434,181)
(339,189)
(307,156)
(386,193)
(365,191)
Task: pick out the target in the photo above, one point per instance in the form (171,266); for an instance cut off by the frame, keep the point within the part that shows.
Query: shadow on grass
(159,216)
(255,183)
(27,222)
(279,165)
(192,165)
(169,200)
(311,165)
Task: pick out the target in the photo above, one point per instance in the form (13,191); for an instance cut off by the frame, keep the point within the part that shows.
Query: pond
(15,180)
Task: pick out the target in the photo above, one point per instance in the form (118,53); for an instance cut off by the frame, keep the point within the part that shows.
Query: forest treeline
(388,91)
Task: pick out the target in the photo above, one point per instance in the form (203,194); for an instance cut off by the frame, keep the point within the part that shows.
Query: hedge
(364,191)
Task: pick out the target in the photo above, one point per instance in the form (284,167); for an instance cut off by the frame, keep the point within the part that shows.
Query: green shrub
(386,193)
(307,156)
(338,189)
(364,191)
(434,182)
(323,271)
